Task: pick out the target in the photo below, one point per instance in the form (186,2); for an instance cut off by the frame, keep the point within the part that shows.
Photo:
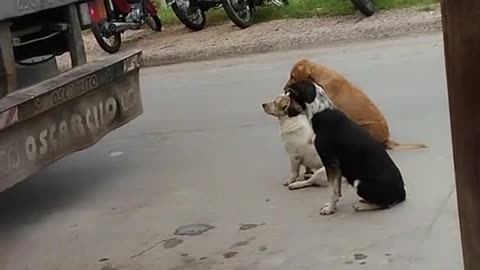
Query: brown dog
(349,99)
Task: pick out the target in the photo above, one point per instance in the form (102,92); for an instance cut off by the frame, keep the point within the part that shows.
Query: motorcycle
(111,18)
(241,12)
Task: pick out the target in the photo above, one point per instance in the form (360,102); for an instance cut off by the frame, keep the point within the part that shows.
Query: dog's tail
(393,145)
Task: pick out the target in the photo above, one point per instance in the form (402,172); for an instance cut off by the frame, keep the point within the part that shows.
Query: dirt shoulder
(177,44)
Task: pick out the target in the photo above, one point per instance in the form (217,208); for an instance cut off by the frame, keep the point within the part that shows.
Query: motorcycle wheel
(185,16)
(240,12)
(116,39)
(154,23)
(365,6)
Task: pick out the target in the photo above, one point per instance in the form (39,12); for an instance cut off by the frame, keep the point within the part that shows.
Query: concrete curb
(177,45)
(151,60)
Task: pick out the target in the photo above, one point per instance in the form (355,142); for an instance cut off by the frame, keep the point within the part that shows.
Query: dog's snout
(264,105)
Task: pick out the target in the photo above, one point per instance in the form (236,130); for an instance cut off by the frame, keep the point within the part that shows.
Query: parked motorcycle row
(111,18)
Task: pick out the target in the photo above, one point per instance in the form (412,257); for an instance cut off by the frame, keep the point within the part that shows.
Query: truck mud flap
(45,122)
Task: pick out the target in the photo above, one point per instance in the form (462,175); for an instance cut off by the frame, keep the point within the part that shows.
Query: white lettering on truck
(9,159)
(58,135)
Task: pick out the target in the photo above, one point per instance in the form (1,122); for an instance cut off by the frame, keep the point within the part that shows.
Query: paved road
(204,152)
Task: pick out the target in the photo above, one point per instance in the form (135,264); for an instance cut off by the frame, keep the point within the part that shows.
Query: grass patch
(305,9)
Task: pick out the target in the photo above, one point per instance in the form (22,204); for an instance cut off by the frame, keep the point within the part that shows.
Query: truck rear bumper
(45,122)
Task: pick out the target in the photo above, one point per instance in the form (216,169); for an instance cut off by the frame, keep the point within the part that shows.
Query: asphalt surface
(205,153)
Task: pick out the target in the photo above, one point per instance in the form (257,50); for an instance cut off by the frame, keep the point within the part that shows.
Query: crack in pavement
(147,249)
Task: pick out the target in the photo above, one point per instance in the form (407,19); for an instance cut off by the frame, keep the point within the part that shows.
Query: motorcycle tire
(101,41)
(186,21)
(235,18)
(154,23)
(365,6)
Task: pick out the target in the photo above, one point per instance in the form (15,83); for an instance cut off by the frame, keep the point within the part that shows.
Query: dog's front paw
(359,206)
(328,209)
(365,206)
(298,185)
(289,181)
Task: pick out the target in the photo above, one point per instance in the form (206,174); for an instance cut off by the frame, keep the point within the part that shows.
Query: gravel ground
(177,44)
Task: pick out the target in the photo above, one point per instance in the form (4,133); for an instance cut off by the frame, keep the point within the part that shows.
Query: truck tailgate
(74,110)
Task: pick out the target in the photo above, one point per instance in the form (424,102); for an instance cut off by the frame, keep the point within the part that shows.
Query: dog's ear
(289,82)
(303,92)
(304,69)
(295,96)
(293,109)
(300,68)
(289,107)
(284,103)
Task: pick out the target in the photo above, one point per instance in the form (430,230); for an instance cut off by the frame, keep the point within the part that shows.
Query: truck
(48,112)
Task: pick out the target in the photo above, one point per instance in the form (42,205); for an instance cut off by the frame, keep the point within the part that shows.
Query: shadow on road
(53,189)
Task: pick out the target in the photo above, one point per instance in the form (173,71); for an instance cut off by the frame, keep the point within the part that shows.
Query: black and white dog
(348,150)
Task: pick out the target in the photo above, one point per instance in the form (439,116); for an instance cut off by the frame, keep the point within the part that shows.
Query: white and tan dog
(297,137)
